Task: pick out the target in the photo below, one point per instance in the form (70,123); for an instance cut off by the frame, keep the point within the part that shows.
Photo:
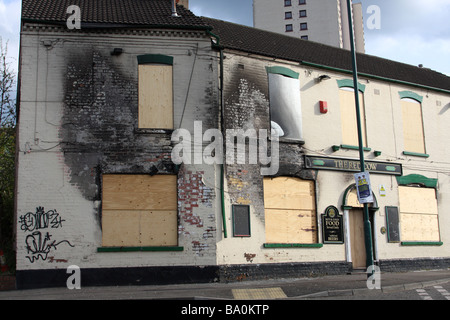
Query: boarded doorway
(354,228)
(358,247)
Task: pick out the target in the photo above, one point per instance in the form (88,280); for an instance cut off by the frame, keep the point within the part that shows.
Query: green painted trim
(292,245)
(155,58)
(370,76)
(410,95)
(138,249)
(416,154)
(283,71)
(344,199)
(217,44)
(335,148)
(349,83)
(421,243)
(222,201)
(347,146)
(417,178)
(344,206)
(377,153)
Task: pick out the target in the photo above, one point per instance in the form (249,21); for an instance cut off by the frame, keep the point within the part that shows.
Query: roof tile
(156,13)
(257,41)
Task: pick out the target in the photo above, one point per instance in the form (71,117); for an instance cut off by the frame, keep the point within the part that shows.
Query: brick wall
(197,218)
(78,121)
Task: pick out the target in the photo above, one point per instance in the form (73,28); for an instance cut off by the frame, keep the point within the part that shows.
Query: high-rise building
(324,21)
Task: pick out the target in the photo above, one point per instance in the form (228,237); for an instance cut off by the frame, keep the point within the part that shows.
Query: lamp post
(367,225)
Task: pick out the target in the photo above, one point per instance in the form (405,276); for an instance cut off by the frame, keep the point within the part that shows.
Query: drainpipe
(216,45)
(367,225)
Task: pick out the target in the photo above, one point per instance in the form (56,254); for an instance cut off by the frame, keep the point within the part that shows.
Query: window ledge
(421,243)
(153,131)
(347,146)
(293,245)
(138,249)
(291,141)
(416,154)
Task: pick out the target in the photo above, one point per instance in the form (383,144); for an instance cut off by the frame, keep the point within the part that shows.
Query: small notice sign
(382,190)
(363,187)
(332,228)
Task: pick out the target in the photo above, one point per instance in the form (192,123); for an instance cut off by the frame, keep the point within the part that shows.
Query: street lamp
(367,225)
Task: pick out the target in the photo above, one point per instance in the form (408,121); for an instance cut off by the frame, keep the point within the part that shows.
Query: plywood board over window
(348,117)
(155,96)
(139,210)
(413,133)
(419,220)
(290,211)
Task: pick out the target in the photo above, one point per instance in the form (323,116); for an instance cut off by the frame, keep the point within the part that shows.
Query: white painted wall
(43,177)
(321,132)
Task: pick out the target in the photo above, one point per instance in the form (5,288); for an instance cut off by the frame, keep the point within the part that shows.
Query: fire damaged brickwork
(99,133)
(199,230)
(247,107)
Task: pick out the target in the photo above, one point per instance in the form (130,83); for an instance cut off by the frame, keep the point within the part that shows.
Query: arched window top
(347,83)
(418,180)
(407,95)
(283,71)
(350,199)
(155,58)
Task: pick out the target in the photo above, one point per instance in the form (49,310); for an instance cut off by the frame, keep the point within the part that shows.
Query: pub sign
(332,226)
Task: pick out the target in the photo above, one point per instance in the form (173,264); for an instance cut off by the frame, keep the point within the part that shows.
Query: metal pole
(367,225)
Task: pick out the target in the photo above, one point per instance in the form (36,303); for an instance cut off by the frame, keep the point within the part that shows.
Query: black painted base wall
(233,273)
(33,279)
(404,265)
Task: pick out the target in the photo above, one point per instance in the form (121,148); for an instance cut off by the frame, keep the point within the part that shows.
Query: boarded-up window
(348,117)
(290,211)
(241,221)
(155,92)
(418,214)
(285,104)
(139,210)
(412,126)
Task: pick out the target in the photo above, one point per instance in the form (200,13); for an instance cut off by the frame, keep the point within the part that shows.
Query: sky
(410,31)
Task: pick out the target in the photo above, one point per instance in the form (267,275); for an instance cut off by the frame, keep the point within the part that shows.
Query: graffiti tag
(40,220)
(39,243)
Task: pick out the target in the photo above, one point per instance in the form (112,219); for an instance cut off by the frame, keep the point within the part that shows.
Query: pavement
(275,289)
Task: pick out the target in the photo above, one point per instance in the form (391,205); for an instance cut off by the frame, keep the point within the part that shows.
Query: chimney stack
(184,3)
(174,9)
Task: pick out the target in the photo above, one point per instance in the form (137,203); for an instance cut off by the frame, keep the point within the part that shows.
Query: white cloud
(10,11)
(212,12)
(414,50)
(413,32)
(10,16)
